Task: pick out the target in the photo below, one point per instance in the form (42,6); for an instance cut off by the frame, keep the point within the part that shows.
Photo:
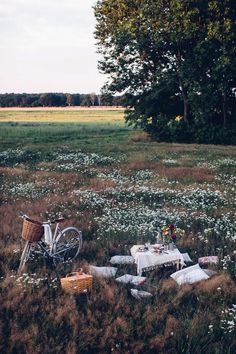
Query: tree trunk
(224,109)
(184,95)
(185,101)
(185,110)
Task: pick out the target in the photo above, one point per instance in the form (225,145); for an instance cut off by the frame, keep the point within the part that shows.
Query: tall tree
(69,99)
(164,52)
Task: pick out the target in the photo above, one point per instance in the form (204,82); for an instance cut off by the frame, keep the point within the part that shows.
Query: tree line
(58,100)
(176,62)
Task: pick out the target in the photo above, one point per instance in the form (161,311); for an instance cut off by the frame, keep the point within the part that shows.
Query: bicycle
(60,246)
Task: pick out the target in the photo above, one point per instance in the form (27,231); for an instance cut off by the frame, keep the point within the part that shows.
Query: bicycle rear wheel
(67,245)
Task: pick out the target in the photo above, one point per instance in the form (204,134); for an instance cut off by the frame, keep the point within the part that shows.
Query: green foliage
(172,58)
(173,130)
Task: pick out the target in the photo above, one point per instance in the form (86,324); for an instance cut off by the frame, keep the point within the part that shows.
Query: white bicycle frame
(49,238)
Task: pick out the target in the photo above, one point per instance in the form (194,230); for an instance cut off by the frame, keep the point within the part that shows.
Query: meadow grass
(119,187)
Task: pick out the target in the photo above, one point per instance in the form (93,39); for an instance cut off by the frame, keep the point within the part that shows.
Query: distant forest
(58,100)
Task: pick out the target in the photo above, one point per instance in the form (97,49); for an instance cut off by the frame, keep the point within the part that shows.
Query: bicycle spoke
(68,245)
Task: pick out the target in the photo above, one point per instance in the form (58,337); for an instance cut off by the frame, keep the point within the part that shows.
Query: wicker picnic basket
(77,282)
(32,230)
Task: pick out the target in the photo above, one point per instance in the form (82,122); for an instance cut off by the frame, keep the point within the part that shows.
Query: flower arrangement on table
(171,233)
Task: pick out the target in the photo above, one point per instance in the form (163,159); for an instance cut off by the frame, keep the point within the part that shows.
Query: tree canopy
(176,62)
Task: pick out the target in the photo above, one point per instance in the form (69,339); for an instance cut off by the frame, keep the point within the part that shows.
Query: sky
(48,46)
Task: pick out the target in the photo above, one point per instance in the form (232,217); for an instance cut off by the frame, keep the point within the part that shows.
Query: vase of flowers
(165,235)
(170,234)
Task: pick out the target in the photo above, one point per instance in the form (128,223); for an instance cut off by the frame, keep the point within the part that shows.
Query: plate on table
(142,249)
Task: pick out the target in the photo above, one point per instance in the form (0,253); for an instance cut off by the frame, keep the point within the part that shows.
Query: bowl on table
(158,248)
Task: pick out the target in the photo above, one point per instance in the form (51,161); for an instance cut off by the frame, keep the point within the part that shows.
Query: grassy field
(119,188)
(44,129)
(67,115)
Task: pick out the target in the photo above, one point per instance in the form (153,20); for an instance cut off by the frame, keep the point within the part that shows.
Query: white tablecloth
(149,260)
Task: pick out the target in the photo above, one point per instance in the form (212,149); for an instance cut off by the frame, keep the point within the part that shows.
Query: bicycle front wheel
(68,244)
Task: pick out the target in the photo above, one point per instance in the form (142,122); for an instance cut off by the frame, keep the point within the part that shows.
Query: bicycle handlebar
(59,220)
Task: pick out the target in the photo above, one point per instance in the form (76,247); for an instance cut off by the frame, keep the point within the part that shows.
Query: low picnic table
(149,260)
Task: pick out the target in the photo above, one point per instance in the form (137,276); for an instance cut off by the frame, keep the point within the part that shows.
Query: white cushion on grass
(122,260)
(186,258)
(133,279)
(140,294)
(105,272)
(189,275)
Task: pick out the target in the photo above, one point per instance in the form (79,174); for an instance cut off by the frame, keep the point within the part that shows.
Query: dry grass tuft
(16,171)
(139,162)
(98,184)
(172,325)
(183,295)
(186,174)
(219,283)
(139,137)
(157,343)
(168,285)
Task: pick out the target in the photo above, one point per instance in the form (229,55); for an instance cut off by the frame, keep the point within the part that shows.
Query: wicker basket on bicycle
(77,282)
(32,230)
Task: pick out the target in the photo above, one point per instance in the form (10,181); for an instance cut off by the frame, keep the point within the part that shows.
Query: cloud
(54,34)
